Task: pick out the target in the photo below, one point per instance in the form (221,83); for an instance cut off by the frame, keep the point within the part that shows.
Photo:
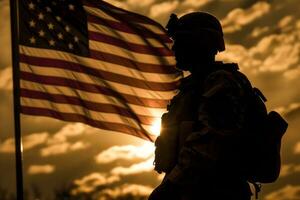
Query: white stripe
(84,78)
(97,64)
(74,109)
(88,96)
(139,57)
(127,37)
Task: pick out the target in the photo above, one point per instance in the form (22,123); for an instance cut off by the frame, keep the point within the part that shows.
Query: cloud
(58,144)
(54,145)
(68,131)
(128,152)
(258,31)
(125,190)
(238,17)
(289,192)
(285,22)
(6,82)
(145,166)
(118,4)
(292,74)
(273,53)
(62,148)
(28,142)
(139,3)
(195,3)
(92,181)
(285,110)
(297,147)
(41,169)
(163,8)
(288,169)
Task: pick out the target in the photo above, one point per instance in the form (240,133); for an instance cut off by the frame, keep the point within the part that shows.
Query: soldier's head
(197,37)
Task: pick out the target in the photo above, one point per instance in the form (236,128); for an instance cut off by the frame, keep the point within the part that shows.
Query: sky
(263,37)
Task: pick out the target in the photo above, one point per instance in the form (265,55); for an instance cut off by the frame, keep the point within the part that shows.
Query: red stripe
(55,63)
(99,107)
(158,51)
(125,98)
(128,27)
(143,67)
(81,118)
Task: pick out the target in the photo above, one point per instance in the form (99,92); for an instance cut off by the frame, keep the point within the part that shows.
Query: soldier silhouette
(201,148)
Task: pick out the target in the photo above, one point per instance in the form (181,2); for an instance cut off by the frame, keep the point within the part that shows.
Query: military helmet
(197,23)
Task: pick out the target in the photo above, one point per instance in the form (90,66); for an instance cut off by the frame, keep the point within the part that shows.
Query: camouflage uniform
(207,166)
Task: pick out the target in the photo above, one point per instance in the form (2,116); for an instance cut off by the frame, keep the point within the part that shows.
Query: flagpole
(16,94)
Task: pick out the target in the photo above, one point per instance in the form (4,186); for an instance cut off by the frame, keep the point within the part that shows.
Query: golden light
(155,127)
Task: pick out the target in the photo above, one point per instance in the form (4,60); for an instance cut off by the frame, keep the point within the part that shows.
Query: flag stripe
(49,63)
(141,106)
(93,106)
(127,37)
(57,56)
(134,17)
(113,13)
(71,117)
(103,59)
(69,108)
(134,27)
(60,81)
(85,96)
(127,29)
(128,54)
(145,67)
(158,51)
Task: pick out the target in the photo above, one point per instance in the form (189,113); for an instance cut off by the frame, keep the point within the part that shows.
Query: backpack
(261,140)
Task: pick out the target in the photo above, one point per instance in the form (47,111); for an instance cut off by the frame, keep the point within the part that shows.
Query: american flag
(91,62)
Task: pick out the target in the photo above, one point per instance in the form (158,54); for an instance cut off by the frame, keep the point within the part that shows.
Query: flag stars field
(48,9)
(51,42)
(41,16)
(67,28)
(32,40)
(60,36)
(41,33)
(31,6)
(71,7)
(32,23)
(70,45)
(50,26)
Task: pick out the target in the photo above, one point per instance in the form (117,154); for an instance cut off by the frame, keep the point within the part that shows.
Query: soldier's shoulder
(223,72)
(227,76)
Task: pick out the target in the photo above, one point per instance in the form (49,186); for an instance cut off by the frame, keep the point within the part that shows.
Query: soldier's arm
(216,133)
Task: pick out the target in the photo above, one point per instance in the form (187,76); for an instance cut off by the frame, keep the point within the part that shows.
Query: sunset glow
(155,128)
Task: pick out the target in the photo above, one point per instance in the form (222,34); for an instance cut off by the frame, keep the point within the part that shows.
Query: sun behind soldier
(198,146)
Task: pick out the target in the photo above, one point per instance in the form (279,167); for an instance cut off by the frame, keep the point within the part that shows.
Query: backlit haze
(263,37)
